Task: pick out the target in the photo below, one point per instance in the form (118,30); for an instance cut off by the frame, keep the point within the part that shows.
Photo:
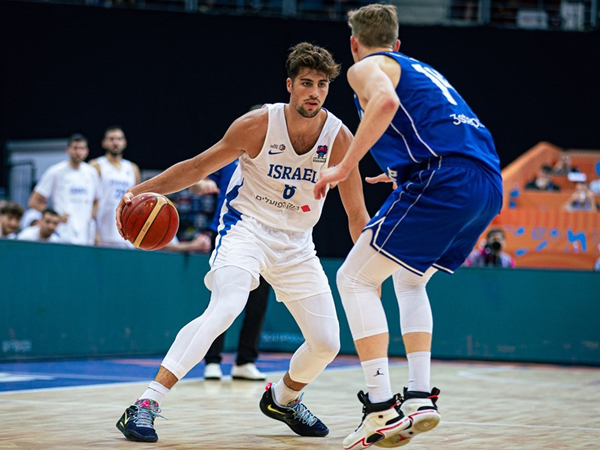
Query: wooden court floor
(483,406)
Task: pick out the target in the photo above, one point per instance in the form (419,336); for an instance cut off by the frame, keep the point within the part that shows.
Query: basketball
(150,221)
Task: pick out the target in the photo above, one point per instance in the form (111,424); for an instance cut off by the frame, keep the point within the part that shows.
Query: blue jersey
(433,120)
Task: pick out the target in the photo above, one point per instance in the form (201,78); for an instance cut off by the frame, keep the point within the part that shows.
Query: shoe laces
(145,412)
(301,412)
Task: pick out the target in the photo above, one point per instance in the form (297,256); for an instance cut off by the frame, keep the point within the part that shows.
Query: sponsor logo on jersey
(321,155)
(277,203)
(280,172)
(276,149)
(461,118)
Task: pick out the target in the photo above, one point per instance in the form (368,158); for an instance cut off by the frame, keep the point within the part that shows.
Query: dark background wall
(176,81)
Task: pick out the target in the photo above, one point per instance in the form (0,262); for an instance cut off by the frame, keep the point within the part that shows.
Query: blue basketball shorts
(436,217)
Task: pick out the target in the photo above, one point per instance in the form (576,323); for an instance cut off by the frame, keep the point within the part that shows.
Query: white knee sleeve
(358,281)
(230,288)
(415,310)
(319,324)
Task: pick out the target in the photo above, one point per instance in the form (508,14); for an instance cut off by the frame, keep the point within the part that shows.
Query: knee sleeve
(358,281)
(413,302)
(318,322)
(230,289)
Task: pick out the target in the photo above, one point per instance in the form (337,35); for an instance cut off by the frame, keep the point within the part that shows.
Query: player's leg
(416,325)
(317,319)
(358,280)
(230,288)
(247,352)
(212,360)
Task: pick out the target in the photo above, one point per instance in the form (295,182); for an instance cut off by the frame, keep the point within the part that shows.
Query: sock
(156,392)
(419,371)
(283,394)
(377,376)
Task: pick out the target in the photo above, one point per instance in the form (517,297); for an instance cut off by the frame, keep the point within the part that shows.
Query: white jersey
(276,187)
(113,184)
(32,233)
(71,191)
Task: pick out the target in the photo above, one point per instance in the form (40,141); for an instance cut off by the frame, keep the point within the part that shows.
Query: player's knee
(326,347)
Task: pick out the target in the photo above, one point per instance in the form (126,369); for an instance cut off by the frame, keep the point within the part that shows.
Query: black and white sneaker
(380,421)
(421,409)
(294,414)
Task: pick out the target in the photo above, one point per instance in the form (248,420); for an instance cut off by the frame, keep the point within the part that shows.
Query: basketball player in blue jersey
(265,229)
(447,188)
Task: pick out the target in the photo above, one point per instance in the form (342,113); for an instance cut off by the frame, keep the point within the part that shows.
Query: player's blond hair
(306,55)
(374,25)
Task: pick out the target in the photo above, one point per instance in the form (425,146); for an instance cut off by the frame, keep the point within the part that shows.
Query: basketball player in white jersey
(72,187)
(117,175)
(266,229)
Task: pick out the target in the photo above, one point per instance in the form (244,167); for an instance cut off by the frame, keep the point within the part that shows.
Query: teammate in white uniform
(117,175)
(44,230)
(73,188)
(266,227)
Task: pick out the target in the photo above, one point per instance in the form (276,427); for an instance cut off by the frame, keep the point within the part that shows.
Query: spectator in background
(491,254)
(116,176)
(563,165)
(44,230)
(543,180)
(73,188)
(10,216)
(582,199)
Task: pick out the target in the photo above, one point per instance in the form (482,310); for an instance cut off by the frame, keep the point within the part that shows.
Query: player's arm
(351,189)
(245,135)
(373,80)
(38,201)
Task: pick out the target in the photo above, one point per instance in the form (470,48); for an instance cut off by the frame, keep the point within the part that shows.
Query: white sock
(419,371)
(283,394)
(377,376)
(156,392)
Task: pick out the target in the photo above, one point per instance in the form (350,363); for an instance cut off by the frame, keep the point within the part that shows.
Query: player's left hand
(329,178)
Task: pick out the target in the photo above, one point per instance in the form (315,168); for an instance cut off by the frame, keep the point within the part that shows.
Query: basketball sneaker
(294,414)
(137,422)
(380,421)
(421,409)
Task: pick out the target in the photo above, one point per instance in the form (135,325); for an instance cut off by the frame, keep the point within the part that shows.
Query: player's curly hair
(306,55)
(374,25)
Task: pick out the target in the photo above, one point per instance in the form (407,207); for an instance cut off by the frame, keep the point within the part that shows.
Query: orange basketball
(150,221)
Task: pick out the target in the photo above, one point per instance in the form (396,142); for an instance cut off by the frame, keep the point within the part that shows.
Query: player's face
(308,92)
(78,151)
(48,225)
(114,142)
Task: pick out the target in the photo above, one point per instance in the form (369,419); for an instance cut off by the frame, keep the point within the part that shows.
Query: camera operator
(491,255)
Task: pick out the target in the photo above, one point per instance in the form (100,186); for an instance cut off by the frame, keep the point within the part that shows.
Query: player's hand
(382,178)
(205,186)
(124,201)
(329,178)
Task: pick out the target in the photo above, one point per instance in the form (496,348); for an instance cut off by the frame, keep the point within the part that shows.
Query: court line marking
(479,374)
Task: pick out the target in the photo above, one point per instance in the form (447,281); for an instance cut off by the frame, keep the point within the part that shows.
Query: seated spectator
(563,165)
(543,180)
(582,199)
(10,216)
(44,230)
(491,255)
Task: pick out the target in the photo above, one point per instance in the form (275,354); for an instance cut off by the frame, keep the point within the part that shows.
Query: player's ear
(288,84)
(397,45)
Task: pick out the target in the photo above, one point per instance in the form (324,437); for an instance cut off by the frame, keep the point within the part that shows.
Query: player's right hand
(124,201)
